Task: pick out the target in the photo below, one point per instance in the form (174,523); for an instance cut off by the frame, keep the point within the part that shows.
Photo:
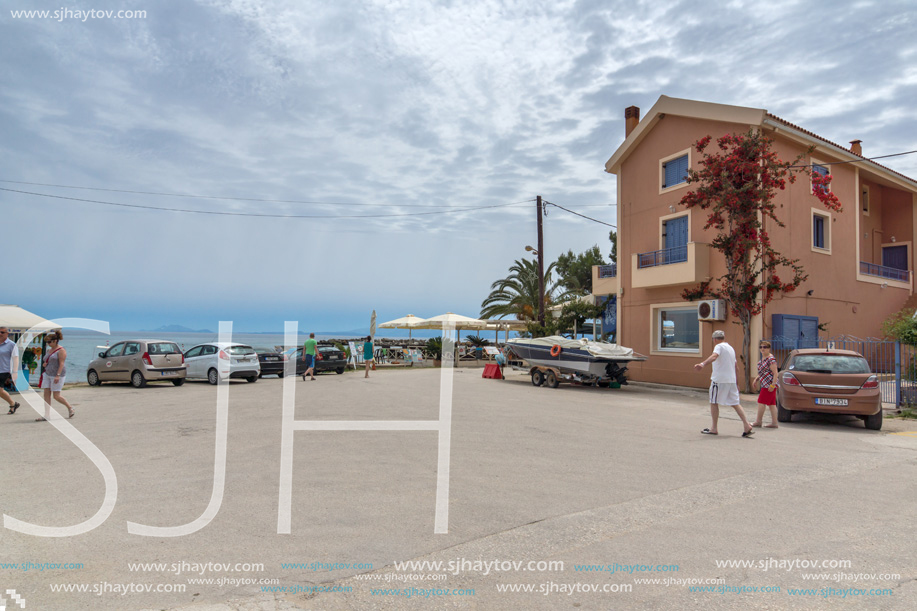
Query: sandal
(72,414)
(40,420)
(748,433)
(13,409)
(708,432)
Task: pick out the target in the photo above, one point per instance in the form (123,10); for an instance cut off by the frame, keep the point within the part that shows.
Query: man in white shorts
(723,387)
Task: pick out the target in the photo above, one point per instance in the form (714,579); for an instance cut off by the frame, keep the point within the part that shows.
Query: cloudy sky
(413,134)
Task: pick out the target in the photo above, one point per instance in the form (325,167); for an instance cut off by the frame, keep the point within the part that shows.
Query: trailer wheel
(537,378)
(550,380)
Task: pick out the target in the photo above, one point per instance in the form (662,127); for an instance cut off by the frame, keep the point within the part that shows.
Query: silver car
(138,361)
(220,361)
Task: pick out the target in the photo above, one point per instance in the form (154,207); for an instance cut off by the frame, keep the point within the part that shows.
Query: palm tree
(517,294)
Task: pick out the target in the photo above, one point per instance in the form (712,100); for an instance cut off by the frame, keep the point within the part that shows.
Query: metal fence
(666,256)
(895,363)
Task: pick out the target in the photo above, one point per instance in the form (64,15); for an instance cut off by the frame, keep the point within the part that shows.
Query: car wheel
(178,382)
(213,376)
(339,370)
(252,379)
(783,415)
(874,422)
(550,380)
(93,378)
(137,380)
(537,378)
(279,374)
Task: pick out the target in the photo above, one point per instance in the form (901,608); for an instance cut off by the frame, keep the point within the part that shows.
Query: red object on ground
(492,371)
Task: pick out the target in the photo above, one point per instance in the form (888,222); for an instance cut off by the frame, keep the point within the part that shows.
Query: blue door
(894,257)
(676,239)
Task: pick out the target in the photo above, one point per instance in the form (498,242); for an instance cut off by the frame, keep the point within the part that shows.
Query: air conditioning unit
(711,309)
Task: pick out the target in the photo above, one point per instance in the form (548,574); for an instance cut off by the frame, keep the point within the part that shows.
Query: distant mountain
(175,329)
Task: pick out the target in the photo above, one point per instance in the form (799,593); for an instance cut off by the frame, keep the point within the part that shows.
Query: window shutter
(676,171)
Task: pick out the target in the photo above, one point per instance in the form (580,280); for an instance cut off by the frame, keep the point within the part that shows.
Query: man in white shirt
(723,387)
(9,367)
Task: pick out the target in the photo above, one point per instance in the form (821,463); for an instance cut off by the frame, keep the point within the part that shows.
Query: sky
(414,134)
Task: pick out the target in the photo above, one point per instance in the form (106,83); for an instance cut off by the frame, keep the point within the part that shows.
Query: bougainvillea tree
(736,185)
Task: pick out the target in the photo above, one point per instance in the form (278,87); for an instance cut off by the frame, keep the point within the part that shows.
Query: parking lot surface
(568,498)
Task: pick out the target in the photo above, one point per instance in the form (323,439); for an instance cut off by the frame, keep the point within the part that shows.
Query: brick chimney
(631,119)
(855,147)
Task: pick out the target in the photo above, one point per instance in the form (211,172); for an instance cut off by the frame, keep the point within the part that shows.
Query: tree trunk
(746,356)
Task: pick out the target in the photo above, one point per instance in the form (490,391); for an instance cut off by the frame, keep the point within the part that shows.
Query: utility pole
(540,207)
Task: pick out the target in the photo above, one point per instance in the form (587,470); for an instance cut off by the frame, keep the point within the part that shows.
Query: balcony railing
(679,254)
(891,273)
(608,271)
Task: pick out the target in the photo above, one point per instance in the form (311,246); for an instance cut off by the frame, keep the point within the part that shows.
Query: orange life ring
(555,350)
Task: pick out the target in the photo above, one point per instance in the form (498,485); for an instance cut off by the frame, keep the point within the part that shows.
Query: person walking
(309,351)
(54,374)
(767,382)
(723,387)
(9,367)
(368,357)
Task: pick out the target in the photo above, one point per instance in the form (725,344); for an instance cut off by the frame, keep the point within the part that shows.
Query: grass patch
(908,412)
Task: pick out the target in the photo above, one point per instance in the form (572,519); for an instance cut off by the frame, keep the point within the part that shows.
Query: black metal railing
(608,271)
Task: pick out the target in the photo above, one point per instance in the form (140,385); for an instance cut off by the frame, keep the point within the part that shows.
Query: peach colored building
(860,261)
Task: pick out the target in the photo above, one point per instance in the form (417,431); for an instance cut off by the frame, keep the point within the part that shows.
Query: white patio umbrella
(372,327)
(408,322)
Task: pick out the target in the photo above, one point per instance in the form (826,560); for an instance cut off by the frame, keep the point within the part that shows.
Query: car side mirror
(102,354)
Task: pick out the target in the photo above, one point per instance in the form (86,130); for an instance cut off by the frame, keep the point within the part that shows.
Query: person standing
(308,355)
(767,382)
(368,356)
(9,367)
(54,374)
(723,387)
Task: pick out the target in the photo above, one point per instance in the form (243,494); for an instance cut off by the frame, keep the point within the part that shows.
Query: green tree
(517,294)
(901,326)
(613,236)
(575,271)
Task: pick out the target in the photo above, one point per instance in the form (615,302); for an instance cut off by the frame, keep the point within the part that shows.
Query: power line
(582,215)
(283,216)
(240,199)
(809,165)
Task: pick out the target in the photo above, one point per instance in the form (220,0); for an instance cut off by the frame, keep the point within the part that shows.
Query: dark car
(272,361)
(332,359)
(829,381)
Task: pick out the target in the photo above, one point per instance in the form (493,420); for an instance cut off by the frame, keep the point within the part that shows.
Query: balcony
(880,271)
(605,279)
(671,267)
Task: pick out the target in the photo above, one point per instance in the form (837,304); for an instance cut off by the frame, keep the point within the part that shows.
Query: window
(864,200)
(116,350)
(821,170)
(196,351)
(678,329)
(821,231)
(674,171)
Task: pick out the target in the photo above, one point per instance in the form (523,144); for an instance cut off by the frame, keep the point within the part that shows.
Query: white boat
(589,359)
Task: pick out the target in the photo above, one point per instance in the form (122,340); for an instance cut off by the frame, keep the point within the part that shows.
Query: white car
(219,361)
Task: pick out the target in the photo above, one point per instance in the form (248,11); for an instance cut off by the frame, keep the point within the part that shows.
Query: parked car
(829,381)
(332,359)
(138,361)
(219,361)
(272,361)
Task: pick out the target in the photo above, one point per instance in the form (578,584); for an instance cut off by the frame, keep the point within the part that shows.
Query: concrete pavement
(618,480)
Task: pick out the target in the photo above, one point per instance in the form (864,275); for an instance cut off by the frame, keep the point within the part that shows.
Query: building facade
(859,261)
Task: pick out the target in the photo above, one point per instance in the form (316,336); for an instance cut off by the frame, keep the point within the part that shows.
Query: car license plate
(271,358)
(826,401)
(169,373)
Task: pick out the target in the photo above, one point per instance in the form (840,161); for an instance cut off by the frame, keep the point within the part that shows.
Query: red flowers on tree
(736,186)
